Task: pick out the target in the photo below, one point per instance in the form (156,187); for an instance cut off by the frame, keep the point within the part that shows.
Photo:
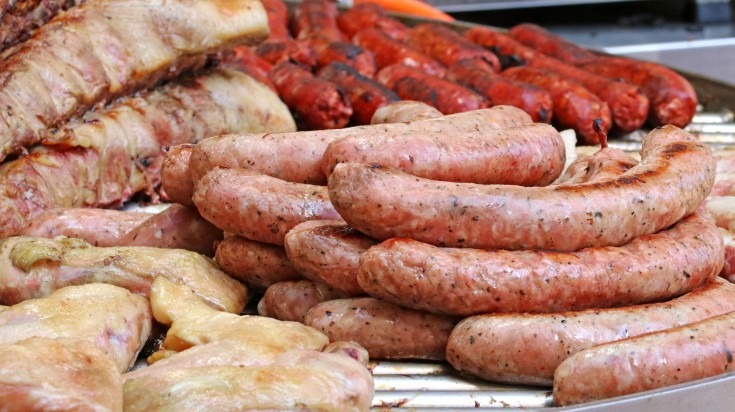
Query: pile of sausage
(462,238)
(333,70)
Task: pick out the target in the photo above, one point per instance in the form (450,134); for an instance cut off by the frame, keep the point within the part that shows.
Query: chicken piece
(65,374)
(102,50)
(295,380)
(100,227)
(194,323)
(113,319)
(34,267)
(104,158)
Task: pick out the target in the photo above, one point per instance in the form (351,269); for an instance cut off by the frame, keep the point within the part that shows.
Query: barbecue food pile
(446,223)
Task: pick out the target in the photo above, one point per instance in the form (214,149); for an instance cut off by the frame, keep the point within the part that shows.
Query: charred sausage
(350,54)
(447,46)
(259,207)
(695,351)
(297,157)
(495,154)
(487,345)
(277,12)
(258,265)
(413,84)
(674,176)
(371,16)
(316,103)
(317,19)
(628,106)
(288,50)
(387,331)
(548,43)
(479,76)
(328,251)
(574,106)
(673,99)
(291,300)
(463,281)
(366,95)
(388,52)
(404,111)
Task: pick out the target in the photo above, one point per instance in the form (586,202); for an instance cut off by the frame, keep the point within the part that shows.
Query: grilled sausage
(461,281)
(291,300)
(673,99)
(244,59)
(387,331)
(413,84)
(604,164)
(259,207)
(487,345)
(258,265)
(297,157)
(404,111)
(485,155)
(548,43)
(175,177)
(371,16)
(316,103)
(177,227)
(447,46)
(317,19)
(328,251)
(289,50)
(350,54)
(388,52)
(695,351)
(100,227)
(674,176)
(574,106)
(277,12)
(628,106)
(479,76)
(366,95)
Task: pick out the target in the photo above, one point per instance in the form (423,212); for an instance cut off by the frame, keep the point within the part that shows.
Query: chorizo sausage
(277,12)
(291,300)
(297,157)
(317,19)
(365,94)
(447,46)
(674,176)
(258,265)
(487,345)
(463,281)
(628,106)
(387,331)
(548,43)
(288,50)
(404,111)
(316,103)
(694,351)
(388,52)
(329,252)
(350,54)
(485,155)
(479,76)
(413,84)
(259,207)
(371,16)
(673,99)
(574,106)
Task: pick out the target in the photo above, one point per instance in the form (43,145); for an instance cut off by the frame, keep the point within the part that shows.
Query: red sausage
(628,106)
(487,345)
(316,103)
(366,95)
(574,106)
(388,52)
(447,46)
(462,281)
(317,19)
(673,178)
(350,54)
(446,96)
(673,99)
(243,58)
(288,50)
(479,76)
(547,43)
(277,19)
(669,357)
(371,16)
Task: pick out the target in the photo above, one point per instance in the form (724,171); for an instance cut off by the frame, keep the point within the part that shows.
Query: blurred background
(697,36)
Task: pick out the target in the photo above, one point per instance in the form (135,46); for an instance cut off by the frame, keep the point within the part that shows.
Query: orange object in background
(413,7)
